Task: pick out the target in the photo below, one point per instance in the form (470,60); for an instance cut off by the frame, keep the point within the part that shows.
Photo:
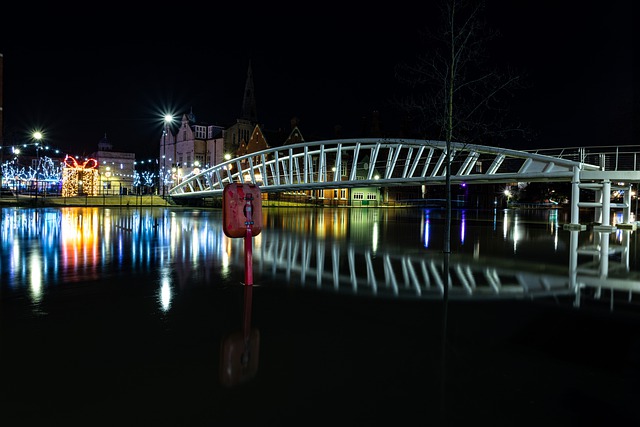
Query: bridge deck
(349,163)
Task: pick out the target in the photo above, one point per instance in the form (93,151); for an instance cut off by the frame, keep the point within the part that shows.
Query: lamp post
(168,118)
(37,135)
(507,194)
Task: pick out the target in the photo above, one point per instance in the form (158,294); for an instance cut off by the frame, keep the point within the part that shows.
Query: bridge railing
(609,158)
(369,162)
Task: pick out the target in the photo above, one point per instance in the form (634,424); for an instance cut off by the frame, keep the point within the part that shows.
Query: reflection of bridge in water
(352,163)
(336,267)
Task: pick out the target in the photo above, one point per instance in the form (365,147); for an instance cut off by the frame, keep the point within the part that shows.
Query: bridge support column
(598,211)
(573,266)
(604,255)
(627,224)
(575,199)
(605,209)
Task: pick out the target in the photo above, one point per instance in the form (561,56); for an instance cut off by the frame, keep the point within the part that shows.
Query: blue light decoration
(18,177)
(148,179)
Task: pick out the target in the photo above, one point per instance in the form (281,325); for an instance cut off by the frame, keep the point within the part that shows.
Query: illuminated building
(116,168)
(80,178)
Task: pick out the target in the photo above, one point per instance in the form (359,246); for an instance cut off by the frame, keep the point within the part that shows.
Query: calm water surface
(129,316)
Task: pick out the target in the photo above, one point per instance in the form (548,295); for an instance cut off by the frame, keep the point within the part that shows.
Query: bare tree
(454,95)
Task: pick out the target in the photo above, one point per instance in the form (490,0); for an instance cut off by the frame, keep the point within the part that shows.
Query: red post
(246,320)
(248,254)
(242,217)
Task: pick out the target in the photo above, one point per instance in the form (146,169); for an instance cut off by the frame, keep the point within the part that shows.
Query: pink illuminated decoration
(71,162)
(80,178)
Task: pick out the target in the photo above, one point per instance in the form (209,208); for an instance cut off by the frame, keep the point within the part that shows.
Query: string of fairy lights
(25,165)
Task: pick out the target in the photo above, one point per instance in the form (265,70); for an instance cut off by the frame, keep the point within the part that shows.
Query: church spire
(249,101)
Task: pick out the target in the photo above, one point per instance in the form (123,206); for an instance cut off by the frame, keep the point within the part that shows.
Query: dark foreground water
(141,317)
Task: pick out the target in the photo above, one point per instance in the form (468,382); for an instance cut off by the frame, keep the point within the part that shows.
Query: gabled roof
(257,142)
(294,137)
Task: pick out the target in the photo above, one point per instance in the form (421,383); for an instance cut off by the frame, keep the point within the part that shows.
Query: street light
(507,194)
(37,135)
(168,118)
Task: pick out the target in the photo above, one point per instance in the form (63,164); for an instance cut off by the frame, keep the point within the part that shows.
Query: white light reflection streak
(36,278)
(15,256)
(165,293)
(516,233)
(425,231)
(505,225)
(195,247)
(553,220)
(462,228)
(375,237)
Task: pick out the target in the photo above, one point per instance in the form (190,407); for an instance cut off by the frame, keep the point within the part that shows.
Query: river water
(116,316)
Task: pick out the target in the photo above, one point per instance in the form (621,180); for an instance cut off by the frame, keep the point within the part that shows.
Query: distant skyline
(117,74)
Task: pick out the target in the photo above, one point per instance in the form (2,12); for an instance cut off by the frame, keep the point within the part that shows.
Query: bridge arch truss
(375,162)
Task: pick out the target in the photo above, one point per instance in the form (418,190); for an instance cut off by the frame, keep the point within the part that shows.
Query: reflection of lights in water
(15,256)
(226,256)
(257,241)
(320,227)
(516,233)
(554,227)
(425,231)
(375,237)
(36,278)
(165,293)
(476,250)
(462,227)
(505,225)
(618,235)
(195,247)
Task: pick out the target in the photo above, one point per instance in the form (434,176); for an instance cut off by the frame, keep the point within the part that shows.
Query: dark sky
(115,70)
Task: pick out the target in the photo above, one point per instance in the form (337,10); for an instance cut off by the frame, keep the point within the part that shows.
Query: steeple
(104,144)
(249,101)
(191,116)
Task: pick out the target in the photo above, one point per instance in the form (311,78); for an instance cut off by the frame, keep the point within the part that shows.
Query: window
(358,196)
(343,193)
(201,132)
(371,196)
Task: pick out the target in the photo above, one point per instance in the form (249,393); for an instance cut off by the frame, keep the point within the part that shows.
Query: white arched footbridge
(348,163)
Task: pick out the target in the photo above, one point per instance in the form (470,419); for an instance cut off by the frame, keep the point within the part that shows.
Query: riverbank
(121,201)
(106,200)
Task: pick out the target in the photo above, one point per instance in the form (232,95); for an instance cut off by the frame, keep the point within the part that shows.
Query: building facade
(195,146)
(116,169)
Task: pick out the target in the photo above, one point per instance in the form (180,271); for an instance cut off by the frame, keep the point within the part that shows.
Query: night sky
(115,70)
